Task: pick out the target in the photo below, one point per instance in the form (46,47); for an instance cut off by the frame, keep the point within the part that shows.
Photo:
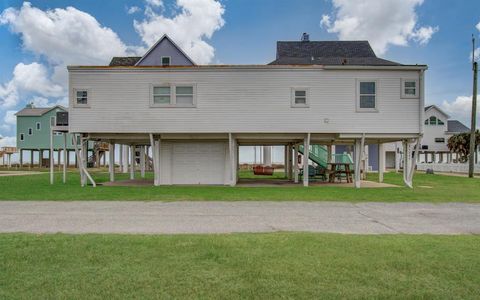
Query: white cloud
(424,34)
(44,102)
(325,21)
(10,117)
(34,78)
(190,28)
(460,108)
(63,36)
(478,26)
(155,3)
(8,95)
(8,141)
(133,9)
(382,22)
(28,78)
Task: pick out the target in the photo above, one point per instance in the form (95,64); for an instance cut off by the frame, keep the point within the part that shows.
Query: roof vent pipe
(305,37)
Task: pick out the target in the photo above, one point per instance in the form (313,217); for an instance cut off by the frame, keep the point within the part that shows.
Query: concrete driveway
(227,217)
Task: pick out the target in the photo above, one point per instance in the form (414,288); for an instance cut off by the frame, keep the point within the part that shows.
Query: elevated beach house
(195,117)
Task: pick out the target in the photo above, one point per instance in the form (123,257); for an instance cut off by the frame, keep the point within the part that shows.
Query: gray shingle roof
(124,61)
(355,61)
(324,49)
(328,53)
(36,111)
(456,126)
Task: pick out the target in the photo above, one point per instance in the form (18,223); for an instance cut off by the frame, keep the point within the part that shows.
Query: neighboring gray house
(195,117)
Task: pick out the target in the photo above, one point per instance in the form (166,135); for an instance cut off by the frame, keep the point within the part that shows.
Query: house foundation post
(31,159)
(306,152)
(357,163)
(405,160)
(125,159)
(381,162)
(290,161)
(111,161)
(233,163)
(51,157)
(21,158)
(295,164)
(132,162)
(142,161)
(65,157)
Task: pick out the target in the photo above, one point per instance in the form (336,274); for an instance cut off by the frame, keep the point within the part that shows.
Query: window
(81,97)
(22,137)
(30,131)
(434,121)
(38,126)
(409,88)
(57,133)
(184,95)
(299,97)
(367,96)
(53,121)
(439,140)
(165,61)
(173,95)
(161,95)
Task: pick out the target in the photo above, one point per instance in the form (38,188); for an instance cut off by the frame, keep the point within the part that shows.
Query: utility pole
(471,159)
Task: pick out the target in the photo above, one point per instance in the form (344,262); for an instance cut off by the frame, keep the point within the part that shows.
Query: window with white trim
(38,126)
(22,137)
(162,95)
(299,97)
(184,95)
(165,61)
(30,131)
(409,88)
(53,121)
(367,96)
(81,97)
(439,140)
(181,95)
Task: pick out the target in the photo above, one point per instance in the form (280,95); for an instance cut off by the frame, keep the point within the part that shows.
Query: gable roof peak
(165,36)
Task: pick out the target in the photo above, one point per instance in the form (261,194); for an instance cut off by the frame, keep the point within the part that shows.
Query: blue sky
(432,32)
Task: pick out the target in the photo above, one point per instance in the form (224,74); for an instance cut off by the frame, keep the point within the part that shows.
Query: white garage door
(198,163)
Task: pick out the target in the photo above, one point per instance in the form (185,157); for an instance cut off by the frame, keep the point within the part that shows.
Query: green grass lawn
(430,188)
(261,266)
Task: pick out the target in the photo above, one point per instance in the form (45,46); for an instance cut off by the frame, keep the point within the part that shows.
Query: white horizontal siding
(243,101)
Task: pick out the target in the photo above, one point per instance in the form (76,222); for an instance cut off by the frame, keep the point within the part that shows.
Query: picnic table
(339,170)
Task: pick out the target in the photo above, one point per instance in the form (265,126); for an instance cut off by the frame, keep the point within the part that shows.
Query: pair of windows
(434,121)
(30,131)
(22,137)
(173,95)
(38,126)
(366,100)
(367,93)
